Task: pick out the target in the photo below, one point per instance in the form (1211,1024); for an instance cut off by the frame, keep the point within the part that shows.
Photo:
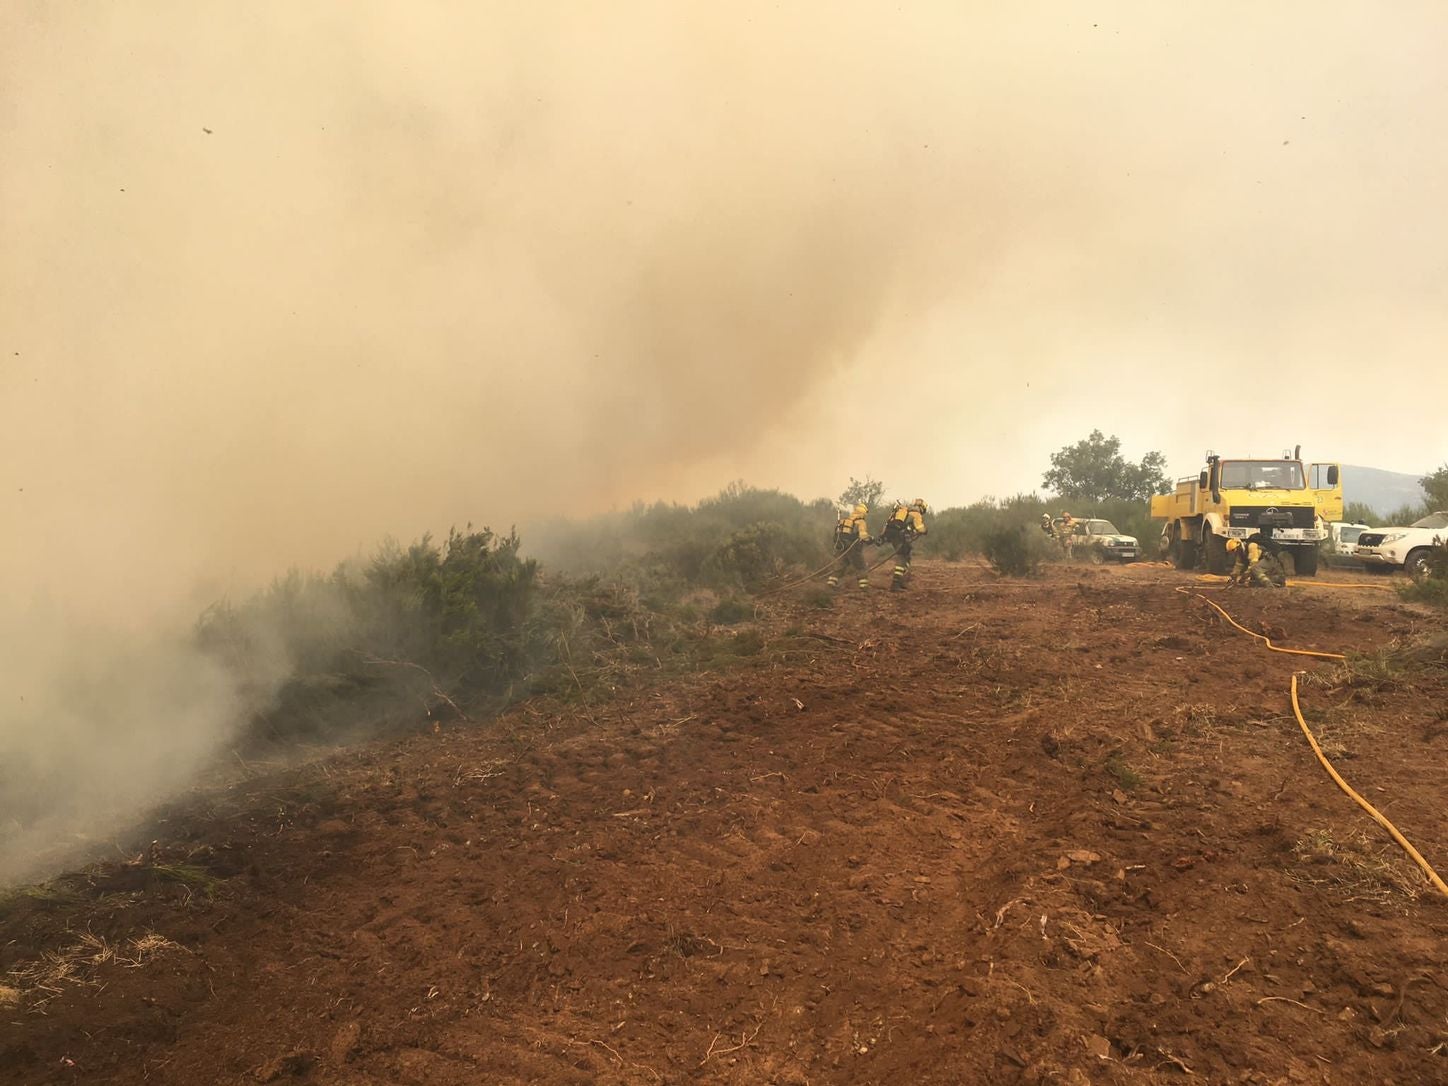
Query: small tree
(1093,470)
(868,492)
(1436,487)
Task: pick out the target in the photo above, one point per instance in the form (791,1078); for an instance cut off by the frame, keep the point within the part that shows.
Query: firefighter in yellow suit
(1255,565)
(852,534)
(905,526)
(1065,534)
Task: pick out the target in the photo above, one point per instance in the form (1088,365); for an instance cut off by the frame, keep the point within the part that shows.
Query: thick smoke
(98,725)
(280,279)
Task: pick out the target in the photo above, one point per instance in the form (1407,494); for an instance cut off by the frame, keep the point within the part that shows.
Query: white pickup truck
(1402,548)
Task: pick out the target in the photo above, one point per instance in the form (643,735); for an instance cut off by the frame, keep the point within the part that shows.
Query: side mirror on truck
(1202,480)
(1332,475)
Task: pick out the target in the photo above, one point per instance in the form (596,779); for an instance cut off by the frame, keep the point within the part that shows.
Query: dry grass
(1340,730)
(1358,866)
(40,980)
(1198,720)
(1384,669)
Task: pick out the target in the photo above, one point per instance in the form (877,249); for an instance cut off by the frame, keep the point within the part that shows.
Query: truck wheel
(1416,565)
(1306,560)
(1216,554)
(1186,554)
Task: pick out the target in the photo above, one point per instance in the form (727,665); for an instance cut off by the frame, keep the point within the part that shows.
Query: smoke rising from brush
(280,280)
(418,273)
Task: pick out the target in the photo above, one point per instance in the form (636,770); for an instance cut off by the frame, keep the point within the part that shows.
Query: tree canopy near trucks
(1436,487)
(1094,470)
(1361,513)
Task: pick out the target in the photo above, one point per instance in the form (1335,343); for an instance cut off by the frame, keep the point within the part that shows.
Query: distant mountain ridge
(1382,491)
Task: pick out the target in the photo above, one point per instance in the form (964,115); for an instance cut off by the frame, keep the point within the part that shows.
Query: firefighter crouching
(906,524)
(1256,565)
(851,536)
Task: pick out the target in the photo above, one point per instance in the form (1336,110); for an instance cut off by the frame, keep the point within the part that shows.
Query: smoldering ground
(281,280)
(100,727)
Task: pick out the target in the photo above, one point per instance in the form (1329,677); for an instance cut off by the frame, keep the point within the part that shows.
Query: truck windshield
(1433,520)
(1262,475)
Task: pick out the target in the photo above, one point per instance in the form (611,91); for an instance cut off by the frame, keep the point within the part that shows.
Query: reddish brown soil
(1057,832)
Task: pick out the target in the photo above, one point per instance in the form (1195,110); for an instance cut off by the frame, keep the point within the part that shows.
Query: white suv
(1341,544)
(1402,548)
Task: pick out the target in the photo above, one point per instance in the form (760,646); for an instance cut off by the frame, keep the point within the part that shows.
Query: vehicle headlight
(1393,537)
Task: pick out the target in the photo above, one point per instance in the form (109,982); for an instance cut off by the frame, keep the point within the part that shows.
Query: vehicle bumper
(1281,535)
(1376,556)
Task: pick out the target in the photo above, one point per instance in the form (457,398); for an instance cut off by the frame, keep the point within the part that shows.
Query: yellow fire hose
(1377,815)
(824,568)
(882,561)
(1310,584)
(811,576)
(1262,637)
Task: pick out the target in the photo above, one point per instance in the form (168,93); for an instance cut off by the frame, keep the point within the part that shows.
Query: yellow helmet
(918,503)
(861,509)
(1234,544)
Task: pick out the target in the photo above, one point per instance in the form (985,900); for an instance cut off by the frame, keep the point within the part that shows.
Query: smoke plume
(281,279)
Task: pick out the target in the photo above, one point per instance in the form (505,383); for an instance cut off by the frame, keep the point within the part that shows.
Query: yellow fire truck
(1285,501)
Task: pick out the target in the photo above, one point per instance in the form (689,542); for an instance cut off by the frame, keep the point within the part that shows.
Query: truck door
(1325,481)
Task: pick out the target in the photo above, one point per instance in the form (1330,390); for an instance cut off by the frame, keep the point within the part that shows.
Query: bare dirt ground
(1060,831)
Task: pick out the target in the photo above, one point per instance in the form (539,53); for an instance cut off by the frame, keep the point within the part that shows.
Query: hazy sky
(436,262)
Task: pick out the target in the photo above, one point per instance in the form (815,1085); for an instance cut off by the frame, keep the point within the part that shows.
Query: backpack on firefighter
(852,533)
(905,525)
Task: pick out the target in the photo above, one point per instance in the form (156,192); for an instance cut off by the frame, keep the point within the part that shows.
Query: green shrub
(754,554)
(729,611)
(961,531)
(316,654)
(748,643)
(740,538)
(958,532)
(1121,771)
(1010,552)
(1433,588)
(820,599)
